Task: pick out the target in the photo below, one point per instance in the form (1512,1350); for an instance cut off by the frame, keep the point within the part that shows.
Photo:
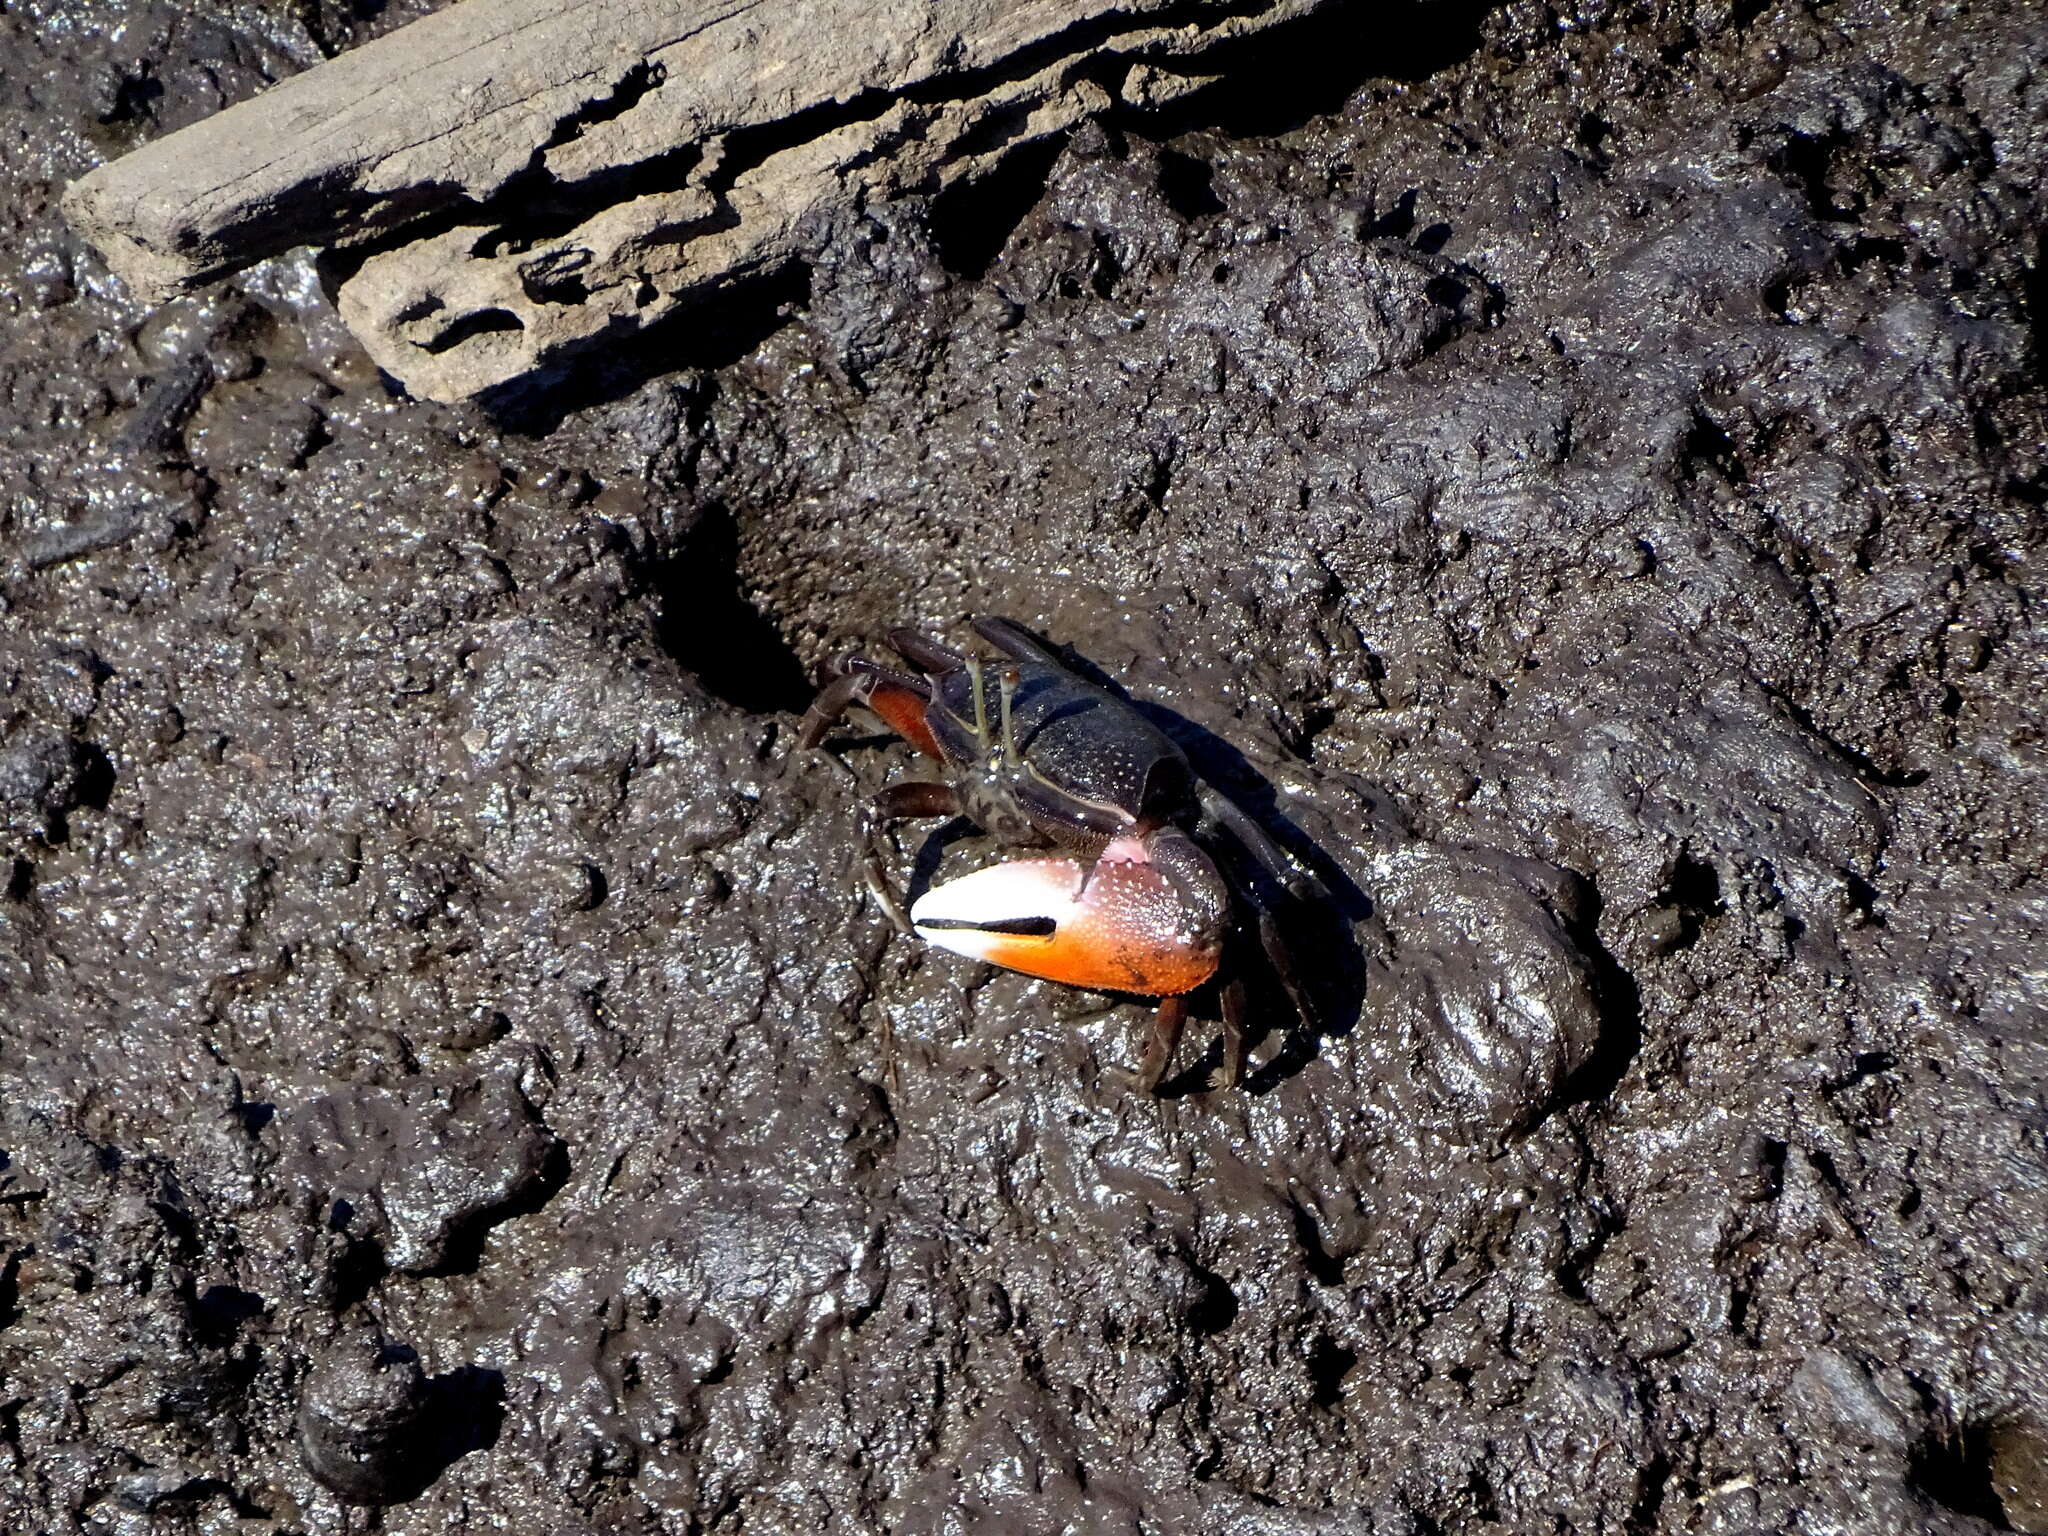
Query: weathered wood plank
(593,165)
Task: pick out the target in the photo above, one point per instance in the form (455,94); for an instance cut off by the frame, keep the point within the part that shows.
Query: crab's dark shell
(1088,765)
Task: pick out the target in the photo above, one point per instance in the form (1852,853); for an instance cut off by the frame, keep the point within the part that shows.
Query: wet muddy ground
(1580,481)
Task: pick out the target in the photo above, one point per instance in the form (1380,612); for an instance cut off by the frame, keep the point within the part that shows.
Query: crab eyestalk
(980,702)
(1006,697)
(1121,926)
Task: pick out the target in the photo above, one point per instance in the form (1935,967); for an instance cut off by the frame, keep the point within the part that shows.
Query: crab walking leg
(897,699)
(1280,955)
(1293,883)
(913,799)
(833,700)
(923,652)
(1013,639)
(1236,1011)
(1161,1039)
(883,889)
(1224,814)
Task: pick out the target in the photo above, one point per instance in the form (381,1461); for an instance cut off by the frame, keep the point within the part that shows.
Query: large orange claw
(1120,927)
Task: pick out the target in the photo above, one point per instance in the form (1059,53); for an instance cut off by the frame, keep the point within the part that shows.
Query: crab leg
(1160,1040)
(1236,1010)
(833,700)
(923,652)
(913,799)
(1274,878)
(883,889)
(1013,639)
(1281,957)
(1222,813)
(897,699)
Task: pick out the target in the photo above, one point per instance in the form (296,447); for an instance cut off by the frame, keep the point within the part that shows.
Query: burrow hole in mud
(95,776)
(1693,885)
(1215,1304)
(1693,891)
(711,629)
(1953,1468)
(1188,185)
(1709,447)
(1308,1234)
(219,1311)
(1328,1363)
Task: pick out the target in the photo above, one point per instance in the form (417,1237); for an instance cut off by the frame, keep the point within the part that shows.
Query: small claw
(1118,926)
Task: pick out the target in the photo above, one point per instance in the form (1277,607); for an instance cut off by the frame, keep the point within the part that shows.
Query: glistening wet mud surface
(1581,484)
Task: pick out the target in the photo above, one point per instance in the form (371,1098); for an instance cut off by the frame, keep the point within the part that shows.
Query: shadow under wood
(713,334)
(971,221)
(1279,80)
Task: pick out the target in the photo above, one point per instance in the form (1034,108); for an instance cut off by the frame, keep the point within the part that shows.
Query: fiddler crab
(1134,899)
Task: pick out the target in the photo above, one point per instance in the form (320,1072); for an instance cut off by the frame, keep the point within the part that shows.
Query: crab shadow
(1321,934)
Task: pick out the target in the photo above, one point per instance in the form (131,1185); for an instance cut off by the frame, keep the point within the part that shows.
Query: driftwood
(526,177)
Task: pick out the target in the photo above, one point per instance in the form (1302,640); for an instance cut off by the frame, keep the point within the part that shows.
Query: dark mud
(1582,482)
